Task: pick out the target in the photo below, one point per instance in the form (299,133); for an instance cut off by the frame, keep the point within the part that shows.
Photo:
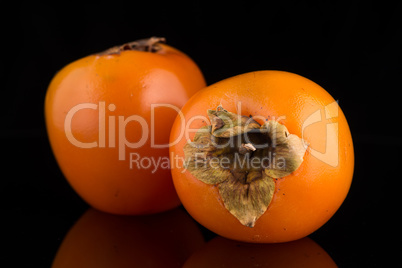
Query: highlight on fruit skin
(290,128)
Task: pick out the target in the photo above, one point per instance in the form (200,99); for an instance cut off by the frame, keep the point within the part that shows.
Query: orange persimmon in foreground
(108,118)
(264,157)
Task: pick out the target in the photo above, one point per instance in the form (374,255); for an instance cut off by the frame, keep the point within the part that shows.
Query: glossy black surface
(353,50)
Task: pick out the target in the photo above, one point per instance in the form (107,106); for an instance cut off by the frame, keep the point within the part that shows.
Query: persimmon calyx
(148,44)
(243,158)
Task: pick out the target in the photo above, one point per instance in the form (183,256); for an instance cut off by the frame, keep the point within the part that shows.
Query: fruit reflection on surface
(222,252)
(104,240)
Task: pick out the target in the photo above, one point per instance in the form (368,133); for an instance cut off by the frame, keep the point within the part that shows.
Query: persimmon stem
(246,147)
(147,45)
(243,158)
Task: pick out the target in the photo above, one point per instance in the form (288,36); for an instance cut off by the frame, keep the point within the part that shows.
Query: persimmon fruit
(265,157)
(108,118)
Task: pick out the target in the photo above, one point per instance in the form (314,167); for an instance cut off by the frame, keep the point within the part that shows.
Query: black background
(351,49)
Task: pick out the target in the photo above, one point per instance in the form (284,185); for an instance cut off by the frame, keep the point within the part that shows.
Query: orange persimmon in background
(108,118)
(300,123)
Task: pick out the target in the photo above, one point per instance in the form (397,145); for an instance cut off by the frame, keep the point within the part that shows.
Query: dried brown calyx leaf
(151,44)
(243,158)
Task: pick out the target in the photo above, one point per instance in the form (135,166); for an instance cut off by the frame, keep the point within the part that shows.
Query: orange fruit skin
(119,86)
(302,201)
(221,252)
(100,240)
